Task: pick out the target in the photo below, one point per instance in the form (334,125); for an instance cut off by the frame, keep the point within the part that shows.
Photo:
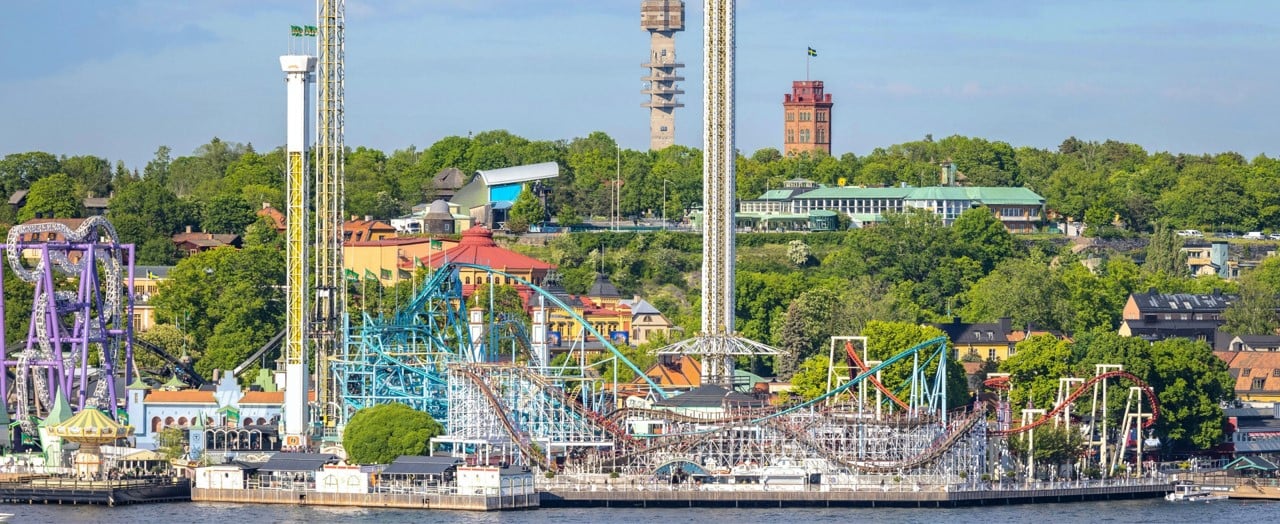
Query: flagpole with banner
(812,53)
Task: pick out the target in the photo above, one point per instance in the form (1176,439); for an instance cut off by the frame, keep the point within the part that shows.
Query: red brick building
(807,118)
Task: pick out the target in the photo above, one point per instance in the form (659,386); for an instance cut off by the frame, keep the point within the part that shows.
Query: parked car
(1274,236)
(1190,233)
(1253,235)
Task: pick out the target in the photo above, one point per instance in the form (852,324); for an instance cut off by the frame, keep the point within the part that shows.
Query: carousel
(90,429)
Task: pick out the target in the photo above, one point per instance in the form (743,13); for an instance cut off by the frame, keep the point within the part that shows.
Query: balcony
(662,78)
(663,104)
(662,65)
(662,91)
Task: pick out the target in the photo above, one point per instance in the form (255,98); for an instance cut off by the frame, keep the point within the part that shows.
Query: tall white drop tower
(298,78)
(718,344)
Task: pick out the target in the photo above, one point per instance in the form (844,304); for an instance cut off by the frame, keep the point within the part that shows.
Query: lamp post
(664,204)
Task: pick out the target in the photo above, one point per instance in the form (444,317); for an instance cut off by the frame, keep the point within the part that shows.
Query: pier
(37,489)
(903,498)
(368,500)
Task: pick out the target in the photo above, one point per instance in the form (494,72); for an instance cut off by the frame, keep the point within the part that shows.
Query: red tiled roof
(185,396)
(686,373)
(477,247)
(263,397)
(1260,365)
(277,217)
(397,241)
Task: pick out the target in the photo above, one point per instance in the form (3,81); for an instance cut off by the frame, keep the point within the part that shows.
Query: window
(1275,372)
(991,354)
(663,129)
(804,136)
(822,136)
(805,116)
(1259,383)
(1246,371)
(791,116)
(822,116)
(791,136)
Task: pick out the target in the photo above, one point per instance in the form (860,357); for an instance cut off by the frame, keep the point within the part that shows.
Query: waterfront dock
(368,500)
(684,496)
(1236,487)
(40,489)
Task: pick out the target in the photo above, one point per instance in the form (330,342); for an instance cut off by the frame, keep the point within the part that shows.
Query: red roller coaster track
(1003,383)
(862,368)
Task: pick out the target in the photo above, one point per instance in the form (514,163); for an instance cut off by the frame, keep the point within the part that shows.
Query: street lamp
(664,204)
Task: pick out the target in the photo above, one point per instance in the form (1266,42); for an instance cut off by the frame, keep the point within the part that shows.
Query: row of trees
(218,186)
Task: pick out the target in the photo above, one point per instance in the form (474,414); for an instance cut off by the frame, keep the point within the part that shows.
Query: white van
(1253,235)
(1190,233)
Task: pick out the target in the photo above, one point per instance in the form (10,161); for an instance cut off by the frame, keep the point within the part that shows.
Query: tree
(887,339)
(1036,367)
(526,211)
(145,211)
(981,236)
(567,217)
(54,196)
(1022,289)
(1254,313)
(1053,446)
(810,381)
(167,337)
(379,434)
(226,214)
(20,170)
(171,442)
(233,298)
(1164,253)
(262,232)
(798,253)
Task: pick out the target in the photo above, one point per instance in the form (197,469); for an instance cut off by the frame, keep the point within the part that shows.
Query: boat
(1192,493)
(4,517)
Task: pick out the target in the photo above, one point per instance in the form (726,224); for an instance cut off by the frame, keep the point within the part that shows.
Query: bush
(379,434)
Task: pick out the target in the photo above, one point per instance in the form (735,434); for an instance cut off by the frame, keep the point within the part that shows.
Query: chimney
(266,205)
(354,218)
(188,228)
(368,218)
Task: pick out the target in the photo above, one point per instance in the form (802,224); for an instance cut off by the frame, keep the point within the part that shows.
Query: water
(1124,512)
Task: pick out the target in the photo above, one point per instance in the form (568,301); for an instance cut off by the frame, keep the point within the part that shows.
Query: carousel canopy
(90,425)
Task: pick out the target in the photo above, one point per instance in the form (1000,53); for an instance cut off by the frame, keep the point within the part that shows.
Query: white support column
(298,69)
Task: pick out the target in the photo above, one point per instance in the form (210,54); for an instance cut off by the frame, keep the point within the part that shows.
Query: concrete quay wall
(865,498)
(367,500)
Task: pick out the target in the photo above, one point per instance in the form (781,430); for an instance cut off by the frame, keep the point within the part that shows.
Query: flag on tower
(309,30)
(295,30)
(813,52)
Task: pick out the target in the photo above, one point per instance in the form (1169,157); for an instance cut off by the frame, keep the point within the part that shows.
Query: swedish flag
(813,52)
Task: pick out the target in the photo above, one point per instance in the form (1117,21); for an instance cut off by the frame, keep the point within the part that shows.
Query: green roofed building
(1020,209)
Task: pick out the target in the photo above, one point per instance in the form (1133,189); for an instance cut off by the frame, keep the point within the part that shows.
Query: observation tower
(662,19)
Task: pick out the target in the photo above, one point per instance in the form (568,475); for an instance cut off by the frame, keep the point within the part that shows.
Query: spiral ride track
(68,328)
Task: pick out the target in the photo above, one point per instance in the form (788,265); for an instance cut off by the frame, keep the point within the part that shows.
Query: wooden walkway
(845,498)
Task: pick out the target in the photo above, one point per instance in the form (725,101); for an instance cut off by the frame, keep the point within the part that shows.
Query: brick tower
(807,113)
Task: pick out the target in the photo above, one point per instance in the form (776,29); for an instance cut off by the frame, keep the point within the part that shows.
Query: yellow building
(146,285)
(390,260)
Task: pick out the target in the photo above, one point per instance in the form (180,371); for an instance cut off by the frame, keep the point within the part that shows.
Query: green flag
(309,30)
(436,244)
(370,274)
(351,275)
(813,52)
(386,273)
(295,30)
(417,263)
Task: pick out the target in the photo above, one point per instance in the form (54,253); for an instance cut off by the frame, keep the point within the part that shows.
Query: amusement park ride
(490,378)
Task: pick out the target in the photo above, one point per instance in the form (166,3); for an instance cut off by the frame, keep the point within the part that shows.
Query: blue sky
(118,78)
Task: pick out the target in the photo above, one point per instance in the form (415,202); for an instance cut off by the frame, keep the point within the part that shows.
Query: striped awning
(90,425)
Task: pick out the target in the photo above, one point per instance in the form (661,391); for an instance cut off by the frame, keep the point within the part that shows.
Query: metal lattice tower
(662,19)
(327,333)
(718,345)
(298,74)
